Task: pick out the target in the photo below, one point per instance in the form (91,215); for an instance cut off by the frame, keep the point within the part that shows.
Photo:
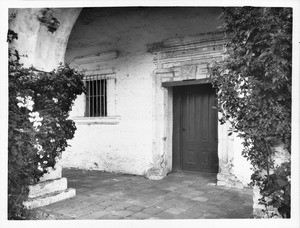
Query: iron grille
(96,96)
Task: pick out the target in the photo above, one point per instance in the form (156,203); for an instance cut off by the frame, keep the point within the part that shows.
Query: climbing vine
(254,93)
(38,125)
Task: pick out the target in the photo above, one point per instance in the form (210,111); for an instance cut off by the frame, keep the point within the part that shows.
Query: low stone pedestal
(229,180)
(226,178)
(51,188)
(156,174)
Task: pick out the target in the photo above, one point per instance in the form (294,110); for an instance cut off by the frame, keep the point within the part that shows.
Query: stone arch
(44,49)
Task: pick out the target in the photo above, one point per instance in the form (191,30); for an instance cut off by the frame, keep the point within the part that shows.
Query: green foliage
(38,128)
(254,90)
(276,189)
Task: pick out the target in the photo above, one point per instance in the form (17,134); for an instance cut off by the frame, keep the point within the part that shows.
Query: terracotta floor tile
(179,195)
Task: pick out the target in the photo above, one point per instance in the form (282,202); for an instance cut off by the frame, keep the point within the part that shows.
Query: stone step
(52,173)
(46,187)
(49,198)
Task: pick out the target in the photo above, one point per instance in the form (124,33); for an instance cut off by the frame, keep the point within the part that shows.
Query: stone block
(188,72)
(166,79)
(52,173)
(49,198)
(221,183)
(46,187)
(221,177)
(155,174)
(170,64)
(229,180)
(200,75)
(177,78)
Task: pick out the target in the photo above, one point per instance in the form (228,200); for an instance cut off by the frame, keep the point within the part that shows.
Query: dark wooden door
(195,129)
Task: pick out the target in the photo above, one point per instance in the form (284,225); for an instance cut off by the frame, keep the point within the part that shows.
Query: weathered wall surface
(44,50)
(120,142)
(128,140)
(126,146)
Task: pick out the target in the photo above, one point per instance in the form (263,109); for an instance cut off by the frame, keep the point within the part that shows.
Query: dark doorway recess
(195,129)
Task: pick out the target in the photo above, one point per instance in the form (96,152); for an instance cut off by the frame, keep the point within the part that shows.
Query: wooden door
(195,129)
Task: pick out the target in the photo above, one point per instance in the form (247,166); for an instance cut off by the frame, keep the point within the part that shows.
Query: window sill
(111,120)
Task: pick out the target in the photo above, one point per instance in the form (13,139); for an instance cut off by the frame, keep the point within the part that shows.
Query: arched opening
(132,52)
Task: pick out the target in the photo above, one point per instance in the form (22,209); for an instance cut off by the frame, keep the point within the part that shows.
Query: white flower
(55,100)
(26,102)
(29,103)
(38,147)
(37,124)
(39,166)
(21,99)
(36,119)
(52,140)
(34,114)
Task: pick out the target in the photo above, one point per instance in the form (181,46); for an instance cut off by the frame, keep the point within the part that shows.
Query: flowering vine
(38,128)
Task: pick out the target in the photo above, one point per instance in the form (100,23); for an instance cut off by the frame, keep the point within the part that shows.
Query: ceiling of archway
(90,14)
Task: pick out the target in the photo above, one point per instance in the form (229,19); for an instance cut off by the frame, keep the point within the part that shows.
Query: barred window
(96,96)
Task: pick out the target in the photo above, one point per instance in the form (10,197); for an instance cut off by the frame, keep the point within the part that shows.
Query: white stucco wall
(132,144)
(126,145)
(241,166)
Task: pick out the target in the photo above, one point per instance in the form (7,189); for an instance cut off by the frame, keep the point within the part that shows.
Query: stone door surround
(186,61)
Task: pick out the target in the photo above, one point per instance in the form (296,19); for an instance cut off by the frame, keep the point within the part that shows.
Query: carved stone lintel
(188,72)
(189,58)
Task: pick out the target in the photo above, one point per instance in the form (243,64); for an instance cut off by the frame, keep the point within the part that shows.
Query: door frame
(162,150)
(163,127)
(184,61)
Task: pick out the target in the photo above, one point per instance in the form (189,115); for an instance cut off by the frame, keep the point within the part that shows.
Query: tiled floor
(178,196)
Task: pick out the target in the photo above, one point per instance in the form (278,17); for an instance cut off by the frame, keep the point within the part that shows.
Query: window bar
(104,97)
(99,98)
(86,99)
(89,96)
(97,94)
(100,93)
(93,97)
